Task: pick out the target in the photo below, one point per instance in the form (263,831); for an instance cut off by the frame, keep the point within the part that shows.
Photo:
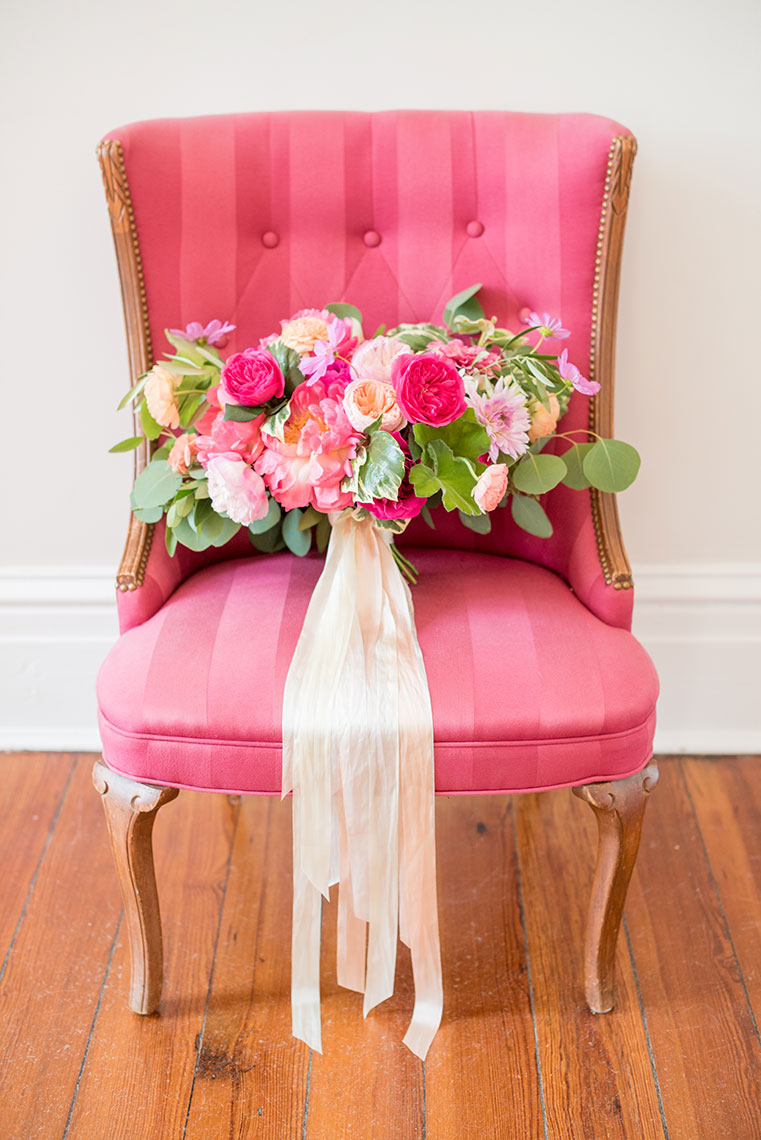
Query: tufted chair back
(251,217)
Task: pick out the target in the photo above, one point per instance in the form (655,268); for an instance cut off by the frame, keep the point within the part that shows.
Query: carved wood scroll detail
(619,806)
(131,809)
(124,229)
(610,544)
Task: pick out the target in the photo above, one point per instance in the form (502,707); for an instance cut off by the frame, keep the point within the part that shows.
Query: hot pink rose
(236,490)
(429,389)
(252,377)
(491,486)
(229,436)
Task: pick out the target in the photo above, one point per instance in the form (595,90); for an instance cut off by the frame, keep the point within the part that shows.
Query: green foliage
(340,309)
(203,527)
(481,524)
(134,391)
(611,465)
(185,348)
(155,485)
(240,413)
(464,304)
(268,541)
(574,459)
(465,437)
(272,518)
(378,469)
(288,363)
(148,514)
(127,444)
(190,409)
(275,424)
(455,476)
(419,336)
(536,474)
(151,430)
(297,541)
(531,516)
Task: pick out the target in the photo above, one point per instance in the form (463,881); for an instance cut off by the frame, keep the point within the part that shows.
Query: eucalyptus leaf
(155,485)
(309,518)
(574,459)
(481,524)
(148,514)
(322,533)
(611,465)
(536,474)
(127,444)
(170,540)
(340,309)
(297,541)
(272,518)
(531,516)
(268,541)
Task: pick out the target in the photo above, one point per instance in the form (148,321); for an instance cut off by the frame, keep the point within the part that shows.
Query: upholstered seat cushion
(529,688)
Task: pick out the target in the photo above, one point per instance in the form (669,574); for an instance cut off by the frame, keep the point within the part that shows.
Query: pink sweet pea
(214,333)
(571,373)
(315,367)
(548,326)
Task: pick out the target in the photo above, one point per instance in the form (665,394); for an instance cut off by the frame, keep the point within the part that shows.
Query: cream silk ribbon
(358,757)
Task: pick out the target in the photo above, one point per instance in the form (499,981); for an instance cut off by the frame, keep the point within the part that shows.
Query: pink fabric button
(474,229)
(371,239)
(270,239)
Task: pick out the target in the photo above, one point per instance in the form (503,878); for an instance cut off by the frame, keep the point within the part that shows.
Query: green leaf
(186,348)
(423,480)
(272,518)
(135,390)
(465,437)
(275,424)
(148,514)
(531,516)
(456,477)
(151,429)
(179,367)
(155,485)
(309,518)
(339,309)
(189,408)
(288,363)
(380,474)
(170,539)
(268,541)
(297,541)
(322,533)
(241,414)
(185,533)
(611,465)
(536,474)
(127,444)
(481,524)
(211,355)
(464,304)
(573,459)
(427,517)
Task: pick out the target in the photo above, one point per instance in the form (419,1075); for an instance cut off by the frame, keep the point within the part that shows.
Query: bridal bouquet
(318,418)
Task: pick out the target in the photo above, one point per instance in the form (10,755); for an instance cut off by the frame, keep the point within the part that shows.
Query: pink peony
(491,486)
(464,355)
(504,414)
(184,451)
(231,437)
(429,389)
(236,490)
(252,377)
(319,445)
(372,360)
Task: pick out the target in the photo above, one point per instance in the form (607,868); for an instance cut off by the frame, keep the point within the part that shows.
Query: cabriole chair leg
(130,810)
(619,806)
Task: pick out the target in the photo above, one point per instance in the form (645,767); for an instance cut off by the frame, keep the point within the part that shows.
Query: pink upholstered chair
(251,217)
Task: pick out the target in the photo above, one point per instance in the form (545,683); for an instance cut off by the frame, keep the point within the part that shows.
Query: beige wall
(680,75)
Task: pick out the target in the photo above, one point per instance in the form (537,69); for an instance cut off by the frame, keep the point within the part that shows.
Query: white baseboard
(701,623)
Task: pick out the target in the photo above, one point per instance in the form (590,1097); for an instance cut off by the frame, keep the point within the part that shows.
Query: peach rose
(543,423)
(184,451)
(365,400)
(301,333)
(491,486)
(160,389)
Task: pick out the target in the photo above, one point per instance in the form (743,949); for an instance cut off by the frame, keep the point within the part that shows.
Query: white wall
(683,76)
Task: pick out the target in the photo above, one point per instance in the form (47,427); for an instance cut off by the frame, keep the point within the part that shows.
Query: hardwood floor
(518,1056)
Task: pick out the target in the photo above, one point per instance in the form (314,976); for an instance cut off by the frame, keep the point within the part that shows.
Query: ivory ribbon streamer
(358,757)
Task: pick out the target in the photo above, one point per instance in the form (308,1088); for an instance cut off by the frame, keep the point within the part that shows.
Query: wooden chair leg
(619,807)
(130,810)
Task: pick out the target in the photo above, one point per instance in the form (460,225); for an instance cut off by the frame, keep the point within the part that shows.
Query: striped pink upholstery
(251,217)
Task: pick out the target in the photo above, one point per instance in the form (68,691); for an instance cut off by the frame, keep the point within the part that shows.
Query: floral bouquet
(317,418)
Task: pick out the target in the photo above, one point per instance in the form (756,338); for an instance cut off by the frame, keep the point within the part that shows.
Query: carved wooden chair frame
(618,805)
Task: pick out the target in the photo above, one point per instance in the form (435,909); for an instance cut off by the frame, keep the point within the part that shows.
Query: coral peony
(184,451)
(491,486)
(319,443)
(372,360)
(428,388)
(365,400)
(504,414)
(236,490)
(229,436)
(160,396)
(543,422)
(252,377)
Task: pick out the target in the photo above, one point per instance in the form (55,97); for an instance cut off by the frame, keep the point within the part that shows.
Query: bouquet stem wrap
(358,757)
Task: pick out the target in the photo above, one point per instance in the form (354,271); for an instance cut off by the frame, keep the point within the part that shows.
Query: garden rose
(543,422)
(365,400)
(372,360)
(184,450)
(236,490)
(252,377)
(160,396)
(429,389)
(491,486)
(319,443)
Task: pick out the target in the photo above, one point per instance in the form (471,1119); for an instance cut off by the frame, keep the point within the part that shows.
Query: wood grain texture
(252,1075)
(51,987)
(140,1071)
(595,1068)
(482,1064)
(31,788)
(706,1051)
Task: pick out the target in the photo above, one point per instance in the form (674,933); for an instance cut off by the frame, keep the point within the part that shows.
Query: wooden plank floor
(518,1056)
